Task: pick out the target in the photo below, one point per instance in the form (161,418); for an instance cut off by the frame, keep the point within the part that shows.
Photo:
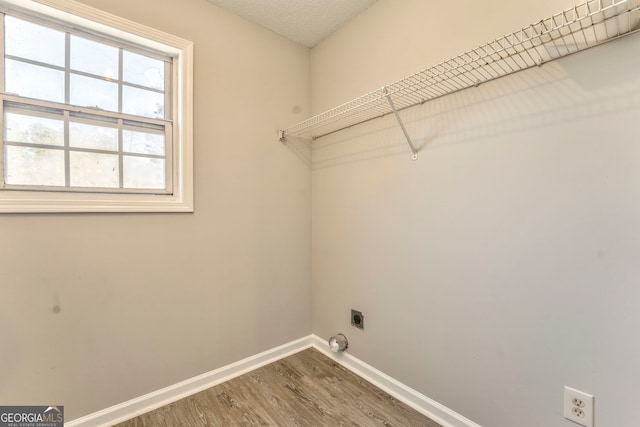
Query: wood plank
(305,389)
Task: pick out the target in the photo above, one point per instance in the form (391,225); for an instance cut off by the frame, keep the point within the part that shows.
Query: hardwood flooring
(305,389)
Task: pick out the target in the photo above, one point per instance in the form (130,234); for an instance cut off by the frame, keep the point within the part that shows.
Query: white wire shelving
(581,27)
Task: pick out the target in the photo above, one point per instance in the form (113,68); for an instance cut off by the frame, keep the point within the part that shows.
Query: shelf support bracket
(404,130)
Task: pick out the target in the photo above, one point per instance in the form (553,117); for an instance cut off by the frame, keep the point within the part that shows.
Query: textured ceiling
(305,21)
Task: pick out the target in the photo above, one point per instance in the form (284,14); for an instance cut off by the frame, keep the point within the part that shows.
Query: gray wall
(150,300)
(498,267)
(503,263)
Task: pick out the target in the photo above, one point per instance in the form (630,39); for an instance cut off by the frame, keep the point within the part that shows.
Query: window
(95,117)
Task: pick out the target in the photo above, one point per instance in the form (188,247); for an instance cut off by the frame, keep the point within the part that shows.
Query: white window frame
(94,20)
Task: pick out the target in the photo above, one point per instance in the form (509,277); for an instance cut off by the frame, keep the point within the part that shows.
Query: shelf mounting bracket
(404,130)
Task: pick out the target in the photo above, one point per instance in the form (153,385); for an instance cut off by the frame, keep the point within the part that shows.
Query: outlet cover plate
(578,406)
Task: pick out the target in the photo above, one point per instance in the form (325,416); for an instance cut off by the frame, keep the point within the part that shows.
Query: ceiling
(307,22)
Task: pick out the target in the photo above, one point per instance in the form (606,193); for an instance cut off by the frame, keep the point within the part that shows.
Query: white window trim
(182,103)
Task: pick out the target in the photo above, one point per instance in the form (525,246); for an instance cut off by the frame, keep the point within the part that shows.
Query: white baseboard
(418,401)
(140,405)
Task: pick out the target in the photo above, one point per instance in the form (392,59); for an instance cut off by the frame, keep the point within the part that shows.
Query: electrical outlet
(578,406)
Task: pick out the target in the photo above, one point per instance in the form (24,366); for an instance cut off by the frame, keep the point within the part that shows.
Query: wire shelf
(581,27)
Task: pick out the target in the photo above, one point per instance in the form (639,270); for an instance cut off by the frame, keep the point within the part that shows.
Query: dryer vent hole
(357,319)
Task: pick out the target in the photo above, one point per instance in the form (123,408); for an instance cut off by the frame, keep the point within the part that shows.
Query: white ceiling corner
(307,22)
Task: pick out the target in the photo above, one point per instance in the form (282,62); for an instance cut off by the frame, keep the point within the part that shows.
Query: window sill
(30,202)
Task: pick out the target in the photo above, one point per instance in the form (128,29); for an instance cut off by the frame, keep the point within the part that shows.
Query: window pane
(93,57)
(144,172)
(34,42)
(93,169)
(94,137)
(33,130)
(143,142)
(93,93)
(81,111)
(33,81)
(142,102)
(33,166)
(142,70)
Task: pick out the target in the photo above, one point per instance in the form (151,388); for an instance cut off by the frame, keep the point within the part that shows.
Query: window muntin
(101,95)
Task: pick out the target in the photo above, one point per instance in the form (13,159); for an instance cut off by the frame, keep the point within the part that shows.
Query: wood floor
(305,389)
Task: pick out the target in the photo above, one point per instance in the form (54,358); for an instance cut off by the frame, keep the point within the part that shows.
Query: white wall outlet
(578,406)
